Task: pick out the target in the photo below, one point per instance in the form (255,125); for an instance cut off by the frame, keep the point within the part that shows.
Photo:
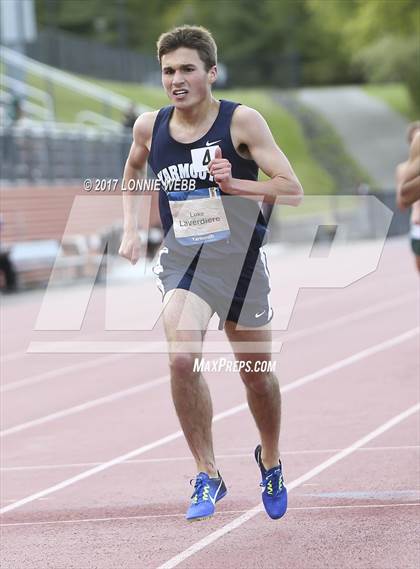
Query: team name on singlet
(181,177)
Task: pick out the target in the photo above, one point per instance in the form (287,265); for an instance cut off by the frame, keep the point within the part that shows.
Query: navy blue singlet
(170,159)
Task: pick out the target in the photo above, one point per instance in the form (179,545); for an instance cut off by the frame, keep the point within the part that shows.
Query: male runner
(408,187)
(207,153)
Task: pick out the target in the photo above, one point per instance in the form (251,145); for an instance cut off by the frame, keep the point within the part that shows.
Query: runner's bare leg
(190,392)
(262,388)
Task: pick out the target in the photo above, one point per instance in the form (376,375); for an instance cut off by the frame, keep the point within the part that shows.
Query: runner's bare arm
(136,166)
(408,178)
(134,170)
(249,129)
(399,174)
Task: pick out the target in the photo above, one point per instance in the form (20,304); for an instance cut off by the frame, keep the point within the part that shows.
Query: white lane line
(299,303)
(212,537)
(8,501)
(382,306)
(61,371)
(190,458)
(297,383)
(87,405)
(232,411)
(357,357)
(38,378)
(113,462)
(216,515)
(288,337)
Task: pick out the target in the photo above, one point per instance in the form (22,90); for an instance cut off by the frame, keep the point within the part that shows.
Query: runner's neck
(197,116)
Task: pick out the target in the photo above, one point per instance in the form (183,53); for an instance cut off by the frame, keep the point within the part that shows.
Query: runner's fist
(130,247)
(221,170)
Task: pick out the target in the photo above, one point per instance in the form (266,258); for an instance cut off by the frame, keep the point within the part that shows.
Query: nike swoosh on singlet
(214,142)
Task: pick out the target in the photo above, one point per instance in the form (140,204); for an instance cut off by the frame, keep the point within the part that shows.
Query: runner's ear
(218,153)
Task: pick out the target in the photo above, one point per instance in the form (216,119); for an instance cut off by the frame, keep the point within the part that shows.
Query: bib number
(201,157)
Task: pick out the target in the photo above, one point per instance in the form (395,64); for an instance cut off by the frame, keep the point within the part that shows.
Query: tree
(380,37)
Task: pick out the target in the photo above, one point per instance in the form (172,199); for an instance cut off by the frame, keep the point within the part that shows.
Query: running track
(95,471)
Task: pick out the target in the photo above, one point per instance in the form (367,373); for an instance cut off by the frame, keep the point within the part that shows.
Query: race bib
(198,216)
(201,157)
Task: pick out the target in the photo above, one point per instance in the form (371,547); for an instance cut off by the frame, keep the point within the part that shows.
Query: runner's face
(185,78)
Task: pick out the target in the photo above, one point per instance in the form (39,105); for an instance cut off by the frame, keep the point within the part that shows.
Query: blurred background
(337,81)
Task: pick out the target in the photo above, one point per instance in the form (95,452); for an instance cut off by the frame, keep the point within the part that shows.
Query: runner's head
(188,58)
(412,129)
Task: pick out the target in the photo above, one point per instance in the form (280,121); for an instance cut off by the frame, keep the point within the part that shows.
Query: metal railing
(97,120)
(55,153)
(44,105)
(108,98)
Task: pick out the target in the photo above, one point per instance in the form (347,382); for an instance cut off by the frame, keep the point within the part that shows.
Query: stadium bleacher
(43,165)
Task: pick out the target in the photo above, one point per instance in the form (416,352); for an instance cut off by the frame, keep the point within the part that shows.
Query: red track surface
(360,512)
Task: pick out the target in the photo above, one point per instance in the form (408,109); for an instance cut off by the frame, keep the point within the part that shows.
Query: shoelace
(273,482)
(201,489)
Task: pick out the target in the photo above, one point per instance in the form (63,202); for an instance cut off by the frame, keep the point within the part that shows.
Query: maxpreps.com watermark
(223,364)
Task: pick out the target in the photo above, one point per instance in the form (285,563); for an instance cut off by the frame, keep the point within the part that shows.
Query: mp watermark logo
(135,306)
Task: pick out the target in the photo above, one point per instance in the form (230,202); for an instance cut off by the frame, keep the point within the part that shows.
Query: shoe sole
(200,519)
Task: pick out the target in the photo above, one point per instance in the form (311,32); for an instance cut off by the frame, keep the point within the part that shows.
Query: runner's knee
(182,365)
(260,382)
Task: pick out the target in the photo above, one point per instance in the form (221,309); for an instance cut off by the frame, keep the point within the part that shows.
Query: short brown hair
(192,37)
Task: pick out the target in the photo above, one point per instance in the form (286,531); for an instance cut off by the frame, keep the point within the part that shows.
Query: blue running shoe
(274,494)
(207,491)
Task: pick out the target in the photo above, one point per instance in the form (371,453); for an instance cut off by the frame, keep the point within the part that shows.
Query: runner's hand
(130,247)
(221,169)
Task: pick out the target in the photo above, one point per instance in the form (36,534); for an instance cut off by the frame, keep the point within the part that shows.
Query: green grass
(324,144)
(395,95)
(68,103)
(289,136)
(153,97)
(323,206)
